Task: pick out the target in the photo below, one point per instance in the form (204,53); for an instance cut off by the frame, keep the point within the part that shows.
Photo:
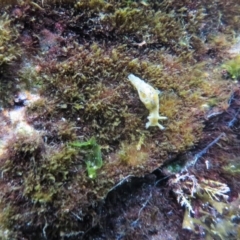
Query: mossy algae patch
(233,67)
(40,176)
(79,61)
(91,88)
(9,53)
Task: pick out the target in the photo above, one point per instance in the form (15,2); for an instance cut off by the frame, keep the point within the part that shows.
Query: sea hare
(149,96)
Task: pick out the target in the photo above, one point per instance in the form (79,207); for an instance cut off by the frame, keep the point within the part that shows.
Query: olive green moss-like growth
(43,165)
(180,26)
(8,34)
(43,177)
(9,51)
(94,90)
(124,21)
(91,89)
(233,67)
(84,56)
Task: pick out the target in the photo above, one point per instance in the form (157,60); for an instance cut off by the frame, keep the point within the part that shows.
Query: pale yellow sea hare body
(149,96)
